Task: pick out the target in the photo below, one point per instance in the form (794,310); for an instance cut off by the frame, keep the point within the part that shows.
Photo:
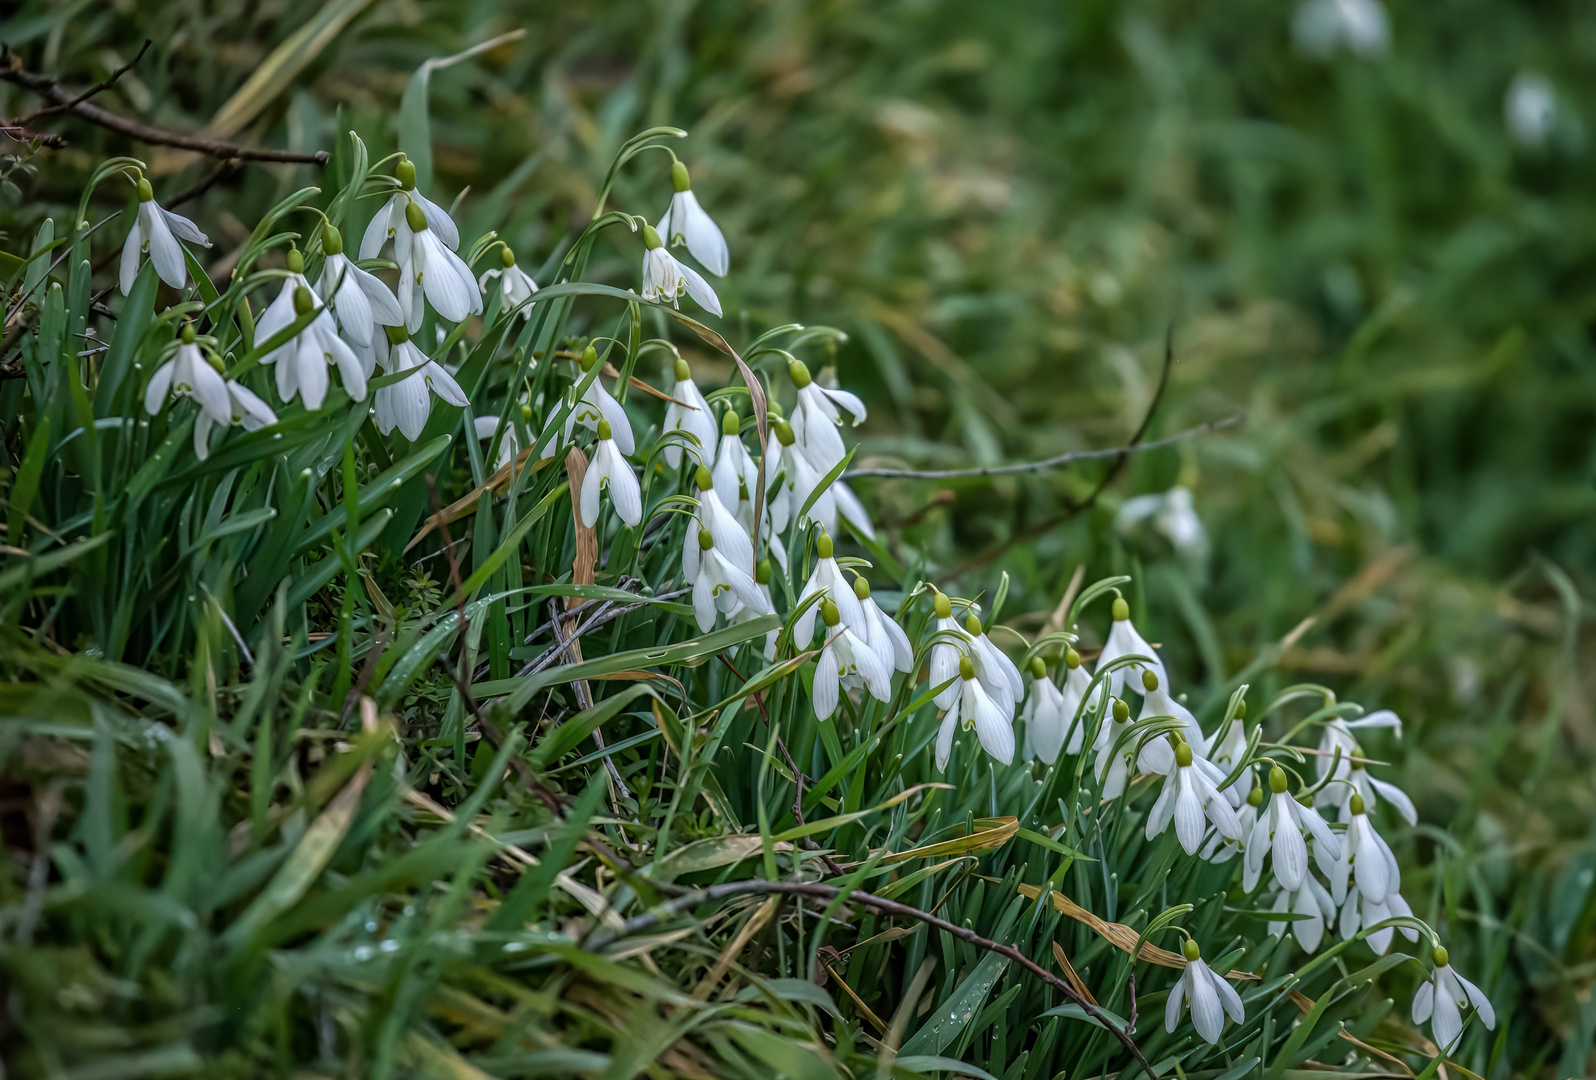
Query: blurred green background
(1007,206)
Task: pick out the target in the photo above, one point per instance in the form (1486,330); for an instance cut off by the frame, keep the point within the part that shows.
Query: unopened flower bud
(295,261)
(966,668)
(784,433)
(829,612)
(1192,951)
(1121,610)
(1072,659)
(861,588)
(799,372)
(415,217)
(332,241)
(679,179)
(1356,803)
(823,546)
(604,429)
(705,540)
(651,238)
(1038,668)
(405,173)
(1121,711)
(1149,680)
(762,572)
(729,424)
(303,301)
(397,335)
(506,256)
(589,359)
(703,479)
(943,606)
(1183,755)
(682,370)
(188,333)
(1441,957)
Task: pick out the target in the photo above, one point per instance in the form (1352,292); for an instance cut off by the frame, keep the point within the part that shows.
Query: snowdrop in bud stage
(157,231)
(719,584)
(826,580)
(1280,831)
(392,222)
(247,409)
(610,470)
(974,709)
(686,222)
(882,633)
(595,404)
(1209,997)
(516,284)
(1191,800)
(360,301)
(1112,767)
(815,418)
(845,662)
(429,268)
(407,403)
(1313,904)
(302,361)
(1363,857)
(689,412)
(190,373)
(734,471)
(1123,640)
(664,279)
(1441,1000)
(1044,716)
(1157,755)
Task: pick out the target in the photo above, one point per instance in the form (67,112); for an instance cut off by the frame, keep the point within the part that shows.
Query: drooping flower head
(1156,756)
(1113,765)
(302,361)
(685,222)
(826,579)
(719,583)
(845,662)
(881,632)
(516,284)
(595,404)
(1123,640)
(998,673)
(1190,799)
(407,403)
(392,221)
(1043,715)
(429,268)
(157,231)
(735,471)
(815,419)
(1441,1000)
(1279,832)
(689,412)
(190,373)
(973,709)
(665,279)
(360,301)
(1209,997)
(609,470)
(248,410)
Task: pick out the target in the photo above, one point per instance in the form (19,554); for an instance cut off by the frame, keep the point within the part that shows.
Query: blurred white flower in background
(1173,515)
(1530,110)
(1321,28)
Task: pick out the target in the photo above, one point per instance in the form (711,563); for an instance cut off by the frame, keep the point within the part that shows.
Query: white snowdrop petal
(183,228)
(165,252)
(128,271)
(826,689)
(1423,1001)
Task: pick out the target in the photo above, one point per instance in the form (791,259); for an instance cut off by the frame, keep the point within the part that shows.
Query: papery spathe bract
(407,403)
(685,222)
(1123,640)
(157,231)
(845,662)
(610,471)
(1209,997)
(1441,1000)
(973,709)
(665,279)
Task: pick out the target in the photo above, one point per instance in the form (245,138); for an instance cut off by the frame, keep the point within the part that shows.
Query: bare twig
(816,891)
(11,70)
(106,84)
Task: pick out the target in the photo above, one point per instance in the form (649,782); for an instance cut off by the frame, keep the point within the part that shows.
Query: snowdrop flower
(1158,756)
(1321,27)
(1364,857)
(1191,800)
(685,222)
(1279,830)
(1044,716)
(509,446)
(1531,110)
(743,612)
(732,545)
(1172,514)
(157,231)
(664,279)
(1338,735)
(392,221)
(1360,912)
(360,301)
(302,361)
(719,583)
(1219,848)
(789,478)
(1123,640)
(1112,767)
(429,268)
(407,403)
(852,510)
(826,579)
(734,472)
(247,409)
(998,673)
(955,641)
(1441,1000)
(881,632)
(1312,902)
(689,412)
(1209,997)
(815,418)
(1359,782)
(974,709)
(610,469)
(190,373)
(1227,749)
(947,651)
(845,662)
(595,404)
(1077,680)
(516,284)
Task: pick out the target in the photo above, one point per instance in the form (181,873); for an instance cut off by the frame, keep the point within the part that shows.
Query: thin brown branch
(11,71)
(99,87)
(828,893)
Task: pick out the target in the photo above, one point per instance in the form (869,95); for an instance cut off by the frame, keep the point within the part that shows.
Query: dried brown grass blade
(1120,935)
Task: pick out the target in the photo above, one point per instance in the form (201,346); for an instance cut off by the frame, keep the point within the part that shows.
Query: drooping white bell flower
(516,284)
(790,477)
(189,373)
(947,651)
(157,231)
(665,279)
(1322,28)
(488,426)
(1043,715)
(1279,832)
(1077,681)
(1191,800)
(1313,904)
(247,409)
(998,673)
(1209,997)
(1441,1000)
(743,612)
(815,418)
(1339,734)
(719,584)
(360,301)
(1113,764)
(1173,514)
(852,510)
(407,403)
(845,662)
(1373,791)
(1227,749)
(1360,912)
(684,221)
(1123,640)
(974,709)
(595,404)
(826,579)
(392,220)
(430,269)
(735,471)
(1158,756)
(1219,849)
(731,542)
(954,640)
(881,632)
(1364,857)
(610,470)
(689,412)
(302,361)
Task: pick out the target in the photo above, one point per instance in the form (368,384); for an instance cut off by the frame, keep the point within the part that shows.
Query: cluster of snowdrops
(1315,851)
